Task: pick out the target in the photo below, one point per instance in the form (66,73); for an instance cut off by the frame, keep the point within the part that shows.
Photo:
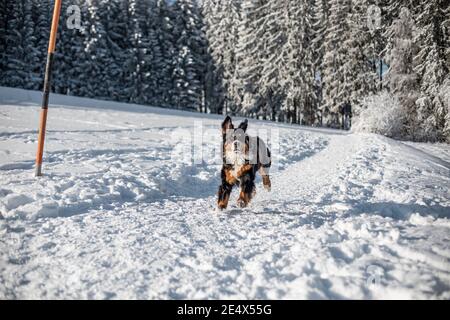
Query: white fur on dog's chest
(238,161)
(235,171)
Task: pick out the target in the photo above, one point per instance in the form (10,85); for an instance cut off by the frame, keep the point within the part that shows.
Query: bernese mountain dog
(242,156)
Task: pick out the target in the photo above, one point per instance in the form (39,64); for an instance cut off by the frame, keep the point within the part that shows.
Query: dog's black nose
(236,145)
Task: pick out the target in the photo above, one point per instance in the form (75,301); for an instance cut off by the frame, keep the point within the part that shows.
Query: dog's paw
(267,183)
(241,203)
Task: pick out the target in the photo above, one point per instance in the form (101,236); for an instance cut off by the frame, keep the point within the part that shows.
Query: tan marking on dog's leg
(229,177)
(224,202)
(266,182)
(244,199)
(244,169)
(265,178)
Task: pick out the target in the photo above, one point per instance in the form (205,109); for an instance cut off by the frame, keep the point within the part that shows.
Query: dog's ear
(244,125)
(227,125)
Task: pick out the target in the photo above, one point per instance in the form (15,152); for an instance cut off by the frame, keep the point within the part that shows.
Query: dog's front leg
(224,195)
(247,190)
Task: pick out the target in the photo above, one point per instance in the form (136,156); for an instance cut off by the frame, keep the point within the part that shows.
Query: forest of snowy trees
(296,61)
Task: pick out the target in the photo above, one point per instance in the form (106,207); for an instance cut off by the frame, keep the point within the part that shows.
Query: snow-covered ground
(122,212)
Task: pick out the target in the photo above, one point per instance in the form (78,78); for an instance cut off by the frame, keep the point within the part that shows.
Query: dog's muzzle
(237,147)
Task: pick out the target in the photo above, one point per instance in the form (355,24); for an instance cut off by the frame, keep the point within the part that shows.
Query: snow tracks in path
(349,216)
(363,218)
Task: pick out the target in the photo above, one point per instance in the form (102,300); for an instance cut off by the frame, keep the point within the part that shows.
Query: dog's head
(235,141)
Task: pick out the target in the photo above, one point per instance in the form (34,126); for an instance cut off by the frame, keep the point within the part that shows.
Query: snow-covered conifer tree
(3,28)
(359,75)
(319,17)
(138,61)
(401,78)
(250,55)
(31,54)
(431,67)
(155,87)
(189,55)
(15,68)
(222,22)
(318,25)
(335,55)
(166,42)
(297,67)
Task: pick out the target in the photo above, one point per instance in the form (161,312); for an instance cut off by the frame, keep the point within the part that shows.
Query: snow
(123,212)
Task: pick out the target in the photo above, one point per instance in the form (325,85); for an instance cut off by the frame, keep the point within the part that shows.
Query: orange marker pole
(47,80)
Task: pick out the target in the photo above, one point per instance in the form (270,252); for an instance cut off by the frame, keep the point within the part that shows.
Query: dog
(242,156)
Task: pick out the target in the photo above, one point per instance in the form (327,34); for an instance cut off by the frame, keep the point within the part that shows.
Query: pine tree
(15,68)
(221,30)
(431,67)
(297,67)
(273,26)
(444,98)
(445,88)
(69,53)
(154,54)
(249,61)
(335,55)
(31,54)
(138,61)
(114,17)
(319,18)
(166,41)
(318,25)
(401,78)
(43,16)
(213,83)
(309,97)
(3,28)
(446,32)
(189,56)
(357,69)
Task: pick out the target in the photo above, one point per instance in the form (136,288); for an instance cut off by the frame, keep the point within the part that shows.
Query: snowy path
(121,214)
